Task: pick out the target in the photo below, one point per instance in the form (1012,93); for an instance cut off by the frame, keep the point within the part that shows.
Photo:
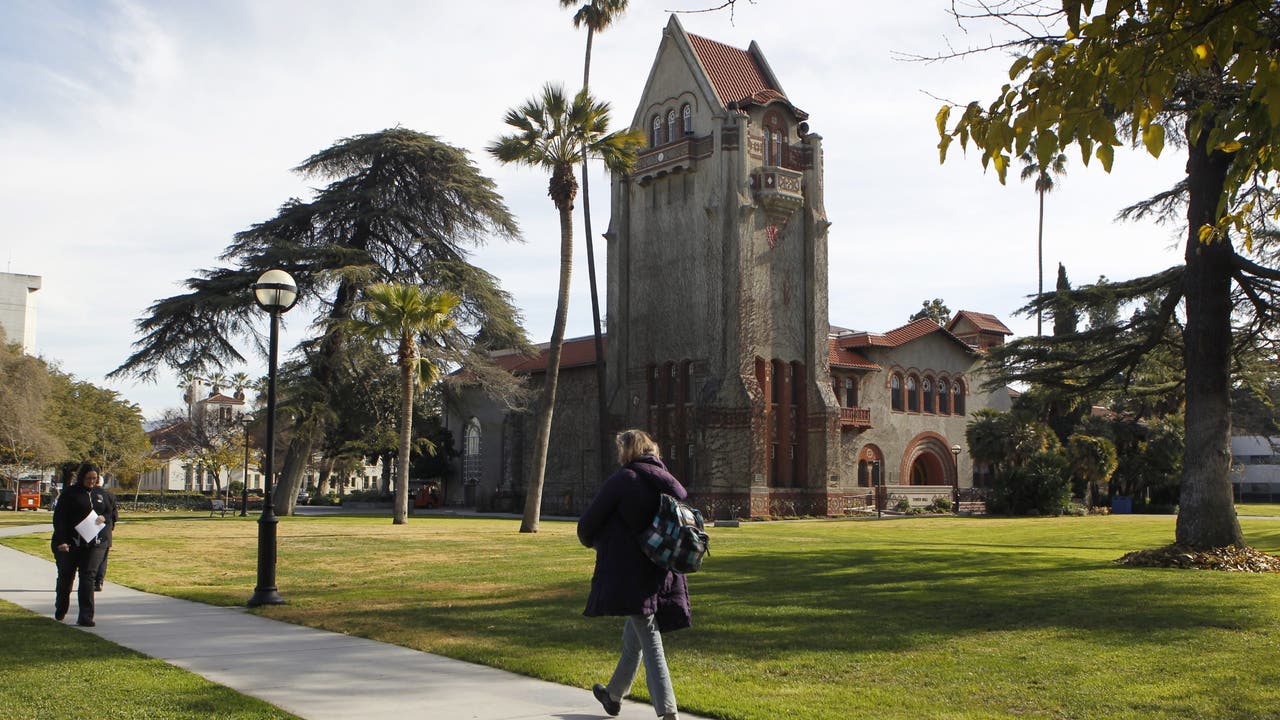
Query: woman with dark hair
(625,582)
(75,555)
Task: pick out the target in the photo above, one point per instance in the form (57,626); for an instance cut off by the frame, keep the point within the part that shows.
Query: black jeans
(82,561)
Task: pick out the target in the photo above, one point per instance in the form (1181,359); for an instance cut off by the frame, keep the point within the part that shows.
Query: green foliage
(26,436)
(1040,486)
(935,309)
(1093,461)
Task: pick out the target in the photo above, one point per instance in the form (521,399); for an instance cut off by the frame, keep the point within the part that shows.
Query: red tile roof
(223,399)
(985,322)
(849,359)
(577,352)
(913,330)
(734,73)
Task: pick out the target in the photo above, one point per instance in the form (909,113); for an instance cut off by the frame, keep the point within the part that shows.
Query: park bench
(218,506)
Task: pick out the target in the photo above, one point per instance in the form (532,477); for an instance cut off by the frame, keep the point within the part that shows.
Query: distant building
(18,309)
(1255,468)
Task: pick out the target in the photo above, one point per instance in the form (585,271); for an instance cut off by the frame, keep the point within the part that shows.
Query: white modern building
(18,309)
(1255,468)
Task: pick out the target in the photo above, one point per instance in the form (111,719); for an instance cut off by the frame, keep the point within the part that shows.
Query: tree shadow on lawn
(764,605)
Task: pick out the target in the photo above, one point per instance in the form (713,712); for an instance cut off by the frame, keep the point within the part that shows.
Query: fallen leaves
(1229,559)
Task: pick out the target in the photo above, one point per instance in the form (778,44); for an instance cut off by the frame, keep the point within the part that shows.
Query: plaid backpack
(675,539)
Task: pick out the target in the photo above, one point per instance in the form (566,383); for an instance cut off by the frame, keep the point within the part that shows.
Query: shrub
(1041,487)
(940,505)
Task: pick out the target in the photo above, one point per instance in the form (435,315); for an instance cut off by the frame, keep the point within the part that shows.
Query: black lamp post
(275,292)
(955,481)
(877,486)
(244,486)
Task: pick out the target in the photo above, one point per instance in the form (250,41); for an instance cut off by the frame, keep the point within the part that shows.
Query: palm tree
(217,380)
(1044,170)
(403,314)
(596,15)
(555,134)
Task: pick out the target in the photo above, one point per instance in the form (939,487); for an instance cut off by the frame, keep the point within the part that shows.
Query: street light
(244,485)
(955,481)
(877,486)
(274,292)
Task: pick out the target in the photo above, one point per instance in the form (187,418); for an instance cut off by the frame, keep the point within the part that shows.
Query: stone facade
(719,342)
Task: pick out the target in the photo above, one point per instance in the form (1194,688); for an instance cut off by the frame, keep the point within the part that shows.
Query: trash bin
(1121,505)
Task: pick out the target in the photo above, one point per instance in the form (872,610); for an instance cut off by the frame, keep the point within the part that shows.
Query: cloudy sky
(136,137)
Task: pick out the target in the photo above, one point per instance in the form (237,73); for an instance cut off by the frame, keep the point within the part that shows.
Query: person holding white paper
(76,556)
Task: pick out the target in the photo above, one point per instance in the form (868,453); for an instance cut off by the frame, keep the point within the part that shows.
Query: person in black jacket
(625,583)
(76,556)
(104,503)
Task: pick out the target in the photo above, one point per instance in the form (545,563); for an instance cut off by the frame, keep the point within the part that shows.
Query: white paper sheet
(89,527)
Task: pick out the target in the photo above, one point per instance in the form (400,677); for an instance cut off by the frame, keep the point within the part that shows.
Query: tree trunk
(1206,513)
(602,398)
(401,514)
(1040,269)
(533,498)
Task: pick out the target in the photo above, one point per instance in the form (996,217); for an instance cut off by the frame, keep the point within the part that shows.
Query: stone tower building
(717,298)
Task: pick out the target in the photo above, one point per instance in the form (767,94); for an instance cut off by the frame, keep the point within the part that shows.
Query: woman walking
(625,582)
(76,556)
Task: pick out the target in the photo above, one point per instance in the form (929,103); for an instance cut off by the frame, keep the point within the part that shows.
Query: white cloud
(143,135)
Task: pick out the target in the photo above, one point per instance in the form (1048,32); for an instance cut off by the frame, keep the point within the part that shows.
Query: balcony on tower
(779,190)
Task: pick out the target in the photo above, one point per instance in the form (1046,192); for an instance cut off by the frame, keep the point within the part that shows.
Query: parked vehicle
(428,496)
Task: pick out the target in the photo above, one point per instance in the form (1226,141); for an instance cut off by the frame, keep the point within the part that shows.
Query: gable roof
(734,73)
(220,399)
(576,352)
(985,322)
(898,336)
(724,74)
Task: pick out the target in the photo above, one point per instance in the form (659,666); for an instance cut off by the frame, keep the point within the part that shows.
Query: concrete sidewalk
(311,673)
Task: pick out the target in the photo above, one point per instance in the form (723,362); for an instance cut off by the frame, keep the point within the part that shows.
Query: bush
(940,505)
(373,495)
(1041,487)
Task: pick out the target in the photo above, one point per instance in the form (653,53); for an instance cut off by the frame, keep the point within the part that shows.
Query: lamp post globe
(276,292)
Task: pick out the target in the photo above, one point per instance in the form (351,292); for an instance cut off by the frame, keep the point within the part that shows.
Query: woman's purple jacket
(626,582)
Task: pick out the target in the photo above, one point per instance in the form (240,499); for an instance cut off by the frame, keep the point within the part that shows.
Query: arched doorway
(928,461)
(927,470)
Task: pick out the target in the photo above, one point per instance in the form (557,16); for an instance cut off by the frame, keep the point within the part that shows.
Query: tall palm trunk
(1040,268)
(1206,515)
(602,398)
(546,408)
(407,358)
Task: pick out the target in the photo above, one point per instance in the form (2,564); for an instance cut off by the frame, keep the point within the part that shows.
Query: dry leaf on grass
(1230,559)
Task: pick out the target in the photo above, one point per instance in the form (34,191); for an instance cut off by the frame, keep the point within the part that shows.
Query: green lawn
(52,671)
(918,618)
(1258,509)
(9,518)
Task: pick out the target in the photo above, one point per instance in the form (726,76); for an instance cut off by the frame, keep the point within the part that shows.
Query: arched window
(686,117)
(773,138)
(926,387)
(672,129)
(957,396)
(471,451)
(913,394)
(895,392)
(655,131)
(944,397)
